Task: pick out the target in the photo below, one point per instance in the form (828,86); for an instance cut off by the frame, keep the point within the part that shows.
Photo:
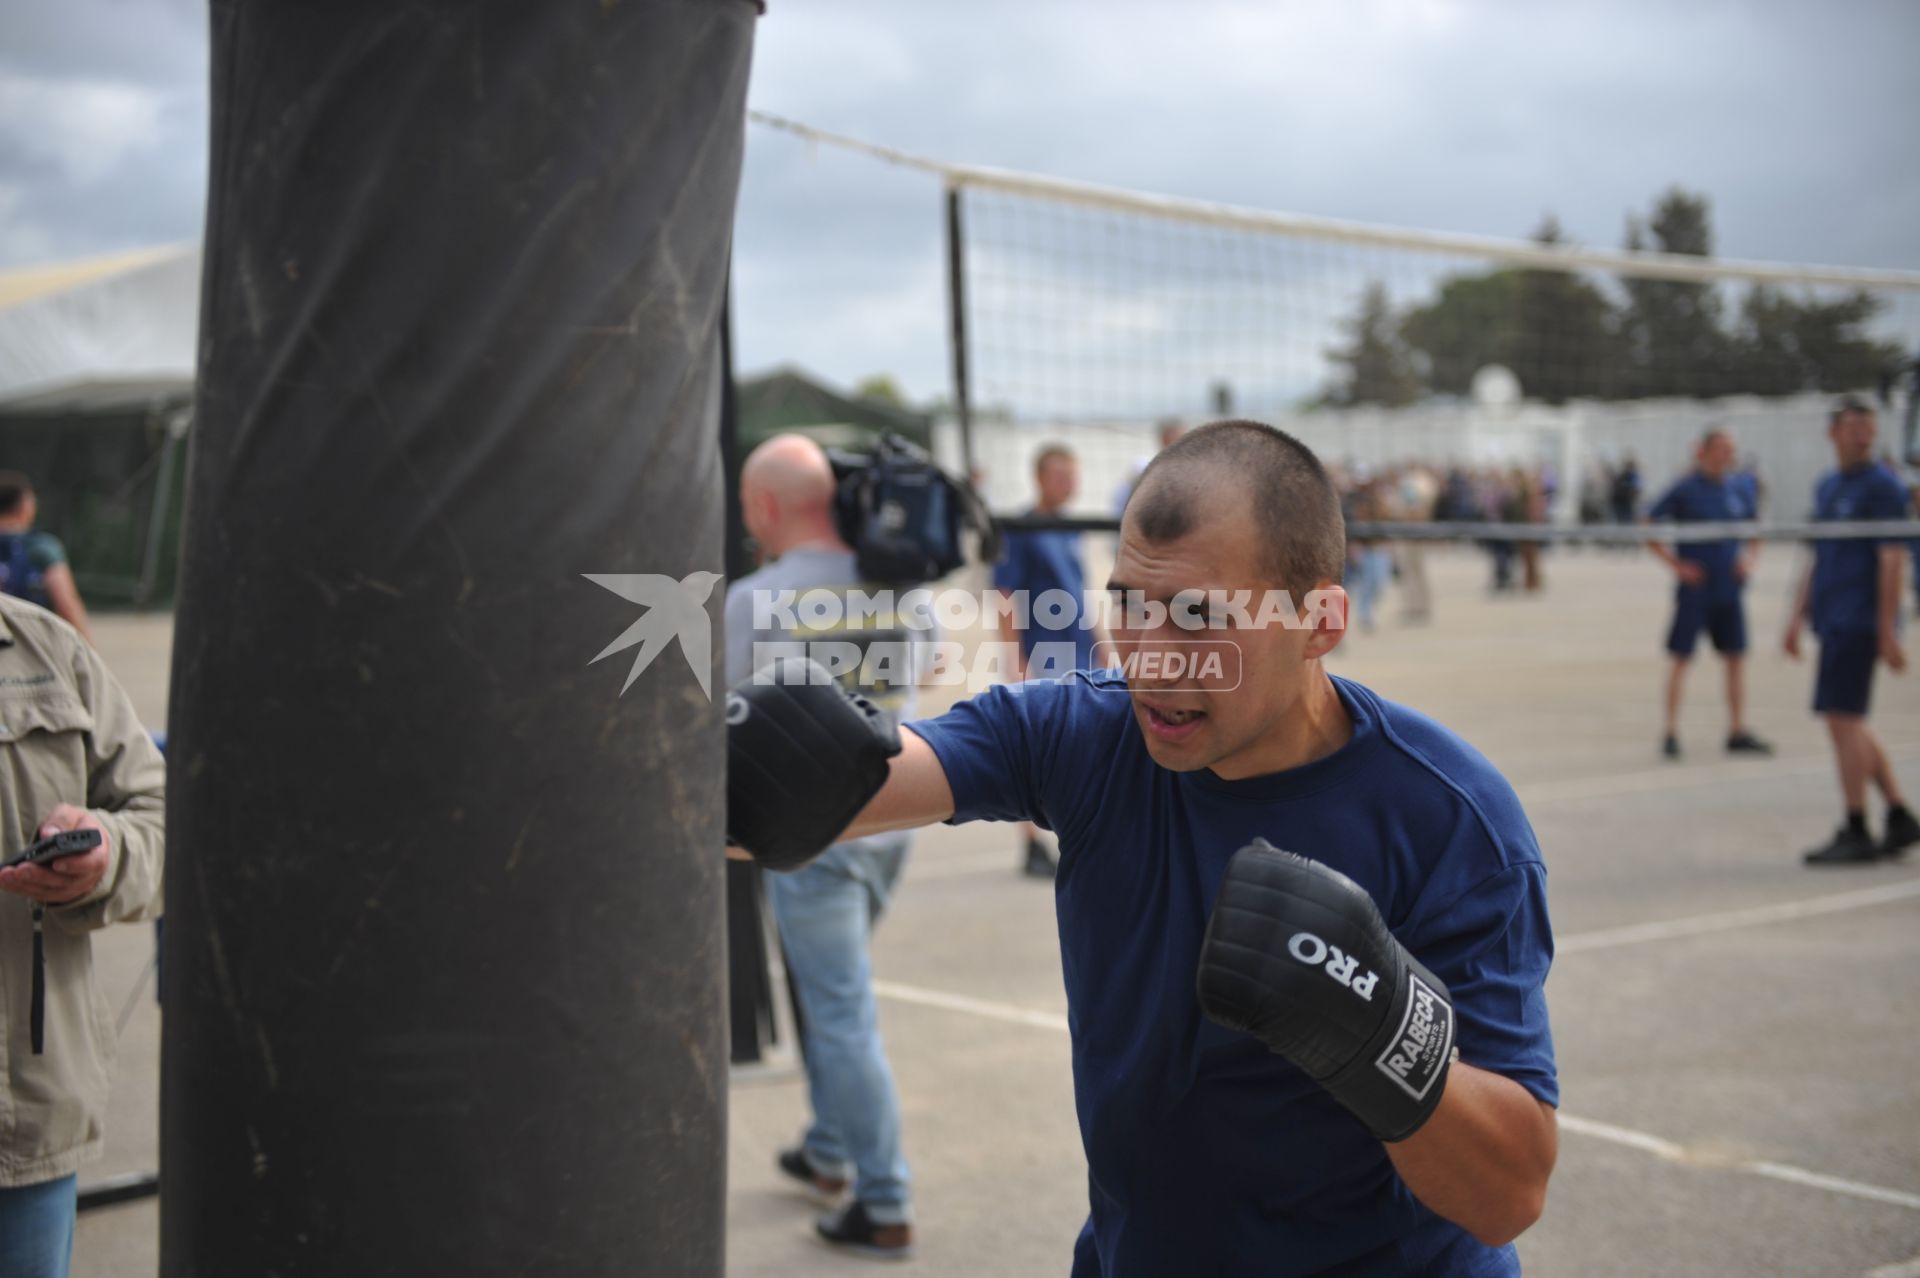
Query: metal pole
(957,327)
(1910,437)
(175,424)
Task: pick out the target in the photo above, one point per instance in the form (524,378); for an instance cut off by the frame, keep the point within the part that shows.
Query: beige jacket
(68,734)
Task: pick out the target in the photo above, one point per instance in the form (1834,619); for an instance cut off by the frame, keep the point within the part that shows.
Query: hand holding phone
(67,863)
(53,847)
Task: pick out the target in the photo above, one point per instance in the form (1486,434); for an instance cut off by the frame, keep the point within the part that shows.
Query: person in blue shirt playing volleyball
(1710,584)
(1851,596)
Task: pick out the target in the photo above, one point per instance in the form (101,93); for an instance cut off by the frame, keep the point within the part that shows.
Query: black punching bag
(445,954)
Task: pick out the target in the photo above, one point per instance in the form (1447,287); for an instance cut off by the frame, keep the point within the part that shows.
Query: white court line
(1817,1180)
(1608,938)
(1899,1269)
(1659,1147)
(1675,777)
(1611,938)
(972,1006)
(1642,1141)
(1668,1151)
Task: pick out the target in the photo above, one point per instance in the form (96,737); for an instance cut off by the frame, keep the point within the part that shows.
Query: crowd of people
(1420,492)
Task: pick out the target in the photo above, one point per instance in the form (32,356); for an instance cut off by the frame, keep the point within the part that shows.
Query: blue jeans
(826,914)
(1368,575)
(36,1228)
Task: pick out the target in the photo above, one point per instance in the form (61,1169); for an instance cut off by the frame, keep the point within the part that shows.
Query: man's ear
(1325,618)
(757,511)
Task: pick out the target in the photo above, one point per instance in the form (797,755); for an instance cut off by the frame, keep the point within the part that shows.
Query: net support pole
(171,422)
(1910,435)
(957,326)
(445,950)
(1571,459)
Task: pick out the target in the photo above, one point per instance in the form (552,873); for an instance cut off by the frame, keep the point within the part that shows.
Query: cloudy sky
(1797,119)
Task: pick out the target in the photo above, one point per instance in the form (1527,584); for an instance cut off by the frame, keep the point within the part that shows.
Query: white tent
(100,334)
(96,391)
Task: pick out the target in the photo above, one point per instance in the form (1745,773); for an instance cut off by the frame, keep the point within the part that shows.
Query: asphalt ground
(1736,1032)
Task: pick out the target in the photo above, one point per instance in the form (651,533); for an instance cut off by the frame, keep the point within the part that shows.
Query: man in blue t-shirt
(1852,597)
(1711,578)
(1041,575)
(1331,1062)
(33,564)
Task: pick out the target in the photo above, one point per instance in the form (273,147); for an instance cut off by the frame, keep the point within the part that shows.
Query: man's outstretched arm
(916,792)
(809,764)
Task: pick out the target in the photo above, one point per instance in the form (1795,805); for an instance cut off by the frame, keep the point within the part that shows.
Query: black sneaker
(1670,747)
(1744,742)
(1846,847)
(1902,833)
(825,1190)
(853,1230)
(1041,863)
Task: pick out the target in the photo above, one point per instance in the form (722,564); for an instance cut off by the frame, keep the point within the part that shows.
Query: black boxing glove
(1297,956)
(803,757)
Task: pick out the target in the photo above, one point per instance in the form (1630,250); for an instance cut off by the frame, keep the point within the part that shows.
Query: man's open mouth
(1171,723)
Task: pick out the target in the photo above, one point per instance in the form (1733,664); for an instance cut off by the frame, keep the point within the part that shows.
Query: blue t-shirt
(1206,1153)
(1846,574)
(1036,562)
(1696,499)
(25,558)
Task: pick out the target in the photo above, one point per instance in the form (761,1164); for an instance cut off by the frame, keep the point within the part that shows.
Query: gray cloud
(1793,118)
(149,42)
(1796,118)
(103,107)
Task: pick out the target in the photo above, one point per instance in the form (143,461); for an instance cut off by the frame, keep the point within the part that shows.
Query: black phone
(52,848)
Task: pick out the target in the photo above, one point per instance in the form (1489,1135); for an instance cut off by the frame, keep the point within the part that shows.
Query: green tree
(881,389)
(1471,323)
(1783,346)
(1557,332)
(1378,370)
(1566,340)
(1676,342)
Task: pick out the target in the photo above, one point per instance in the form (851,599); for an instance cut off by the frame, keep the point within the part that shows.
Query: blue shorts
(1724,619)
(1845,682)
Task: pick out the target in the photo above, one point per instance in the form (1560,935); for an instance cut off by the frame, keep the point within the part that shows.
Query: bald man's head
(786,494)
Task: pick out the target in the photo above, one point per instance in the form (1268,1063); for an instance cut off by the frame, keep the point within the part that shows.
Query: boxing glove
(1296,955)
(803,757)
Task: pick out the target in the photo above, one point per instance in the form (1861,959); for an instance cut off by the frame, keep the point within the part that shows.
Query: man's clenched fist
(1297,955)
(803,757)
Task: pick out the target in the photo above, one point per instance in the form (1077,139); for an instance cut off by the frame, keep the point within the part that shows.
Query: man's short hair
(1048,453)
(1712,433)
(15,488)
(1849,404)
(1294,504)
